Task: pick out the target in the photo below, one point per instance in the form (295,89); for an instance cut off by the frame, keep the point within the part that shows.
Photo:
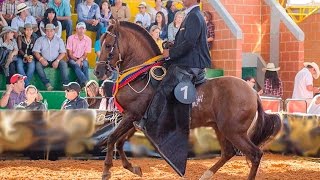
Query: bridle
(111,53)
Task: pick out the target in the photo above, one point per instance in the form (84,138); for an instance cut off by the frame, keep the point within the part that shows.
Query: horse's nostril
(96,73)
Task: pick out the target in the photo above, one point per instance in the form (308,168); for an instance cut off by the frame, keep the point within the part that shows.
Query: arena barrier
(76,132)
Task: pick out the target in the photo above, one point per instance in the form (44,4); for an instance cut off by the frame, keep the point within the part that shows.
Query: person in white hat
(78,47)
(23,17)
(272,83)
(303,82)
(143,16)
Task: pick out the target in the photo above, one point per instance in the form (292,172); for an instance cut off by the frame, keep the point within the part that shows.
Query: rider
(188,58)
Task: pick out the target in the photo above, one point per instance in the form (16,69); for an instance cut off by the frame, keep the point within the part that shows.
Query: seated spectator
(89,13)
(107,102)
(314,107)
(272,84)
(171,9)
(120,11)
(78,47)
(9,10)
(63,13)
(25,56)
(252,82)
(143,16)
(303,82)
(161,23)
(74,101)
(3,21)
(31,102)
(8,45)
(37,9)
(158,8)
(92,94)
(49,50)
(173,27)
(210,28)
(50,17)
(22,17)
(14,94)
(155,33)
(105,17)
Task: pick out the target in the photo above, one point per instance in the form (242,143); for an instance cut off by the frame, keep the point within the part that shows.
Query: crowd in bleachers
(31,40)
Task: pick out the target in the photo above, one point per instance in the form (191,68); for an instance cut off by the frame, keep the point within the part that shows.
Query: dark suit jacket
(190,46)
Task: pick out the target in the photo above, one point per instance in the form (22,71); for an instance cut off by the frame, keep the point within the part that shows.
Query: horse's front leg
(126,164)
(124,126)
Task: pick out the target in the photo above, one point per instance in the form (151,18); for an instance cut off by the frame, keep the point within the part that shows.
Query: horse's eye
(108,46)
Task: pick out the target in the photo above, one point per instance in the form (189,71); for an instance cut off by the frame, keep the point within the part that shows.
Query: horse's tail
(266,126)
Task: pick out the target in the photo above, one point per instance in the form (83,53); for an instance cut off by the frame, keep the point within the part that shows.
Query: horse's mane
(144,34)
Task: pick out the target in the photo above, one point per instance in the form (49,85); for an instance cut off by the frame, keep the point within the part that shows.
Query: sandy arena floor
(272,167)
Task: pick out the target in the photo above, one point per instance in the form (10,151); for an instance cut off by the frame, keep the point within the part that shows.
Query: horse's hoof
(137,170)
(207,175)
(106,176)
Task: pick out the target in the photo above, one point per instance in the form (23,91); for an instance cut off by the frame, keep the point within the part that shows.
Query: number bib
(185,92)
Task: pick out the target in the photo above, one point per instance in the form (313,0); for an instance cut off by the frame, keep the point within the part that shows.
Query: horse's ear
(112,21)
(102,38)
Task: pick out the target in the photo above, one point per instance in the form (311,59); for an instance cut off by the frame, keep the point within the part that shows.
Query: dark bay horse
(226,104)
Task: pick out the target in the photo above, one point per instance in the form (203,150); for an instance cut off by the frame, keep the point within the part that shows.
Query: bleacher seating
(296,106)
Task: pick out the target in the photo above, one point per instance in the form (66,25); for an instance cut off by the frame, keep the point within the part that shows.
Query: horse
(227,104)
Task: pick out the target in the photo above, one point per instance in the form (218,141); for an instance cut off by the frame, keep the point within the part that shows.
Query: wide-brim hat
(50,26)
(270,67)
(7,29)
(315,66)
(21,7)
(142,4)
(28,25)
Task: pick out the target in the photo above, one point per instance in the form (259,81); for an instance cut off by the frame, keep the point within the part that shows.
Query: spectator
(303,82)
(25,57)
(161,23)
(92,94)
(107,102)
(171,9)
(272,83)
(139,23)
(7,42)
(89,13)
(31,102)
(9,10)
(63,13)
(3,21)
(105,17)
(50,17)
(37,9)
(158,8)
(155,33)
(120,11)
(74,101)
(314,107)
(14,94)
(210,28)
(173,27)
(252,82)
(143,16)
(78,47)
(49,50)
(22,17)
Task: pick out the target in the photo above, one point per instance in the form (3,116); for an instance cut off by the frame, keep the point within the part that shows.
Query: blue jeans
(67,25)
(29,66)
(63,67)
(81,72)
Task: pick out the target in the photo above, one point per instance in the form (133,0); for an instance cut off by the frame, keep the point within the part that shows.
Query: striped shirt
(36,10)
(9,7)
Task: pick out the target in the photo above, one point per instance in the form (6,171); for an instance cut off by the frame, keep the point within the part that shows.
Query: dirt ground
(272,167)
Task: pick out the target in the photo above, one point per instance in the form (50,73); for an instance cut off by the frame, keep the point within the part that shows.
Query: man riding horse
(166,121)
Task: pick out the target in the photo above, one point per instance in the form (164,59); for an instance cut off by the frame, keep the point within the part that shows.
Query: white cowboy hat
(21,7)
(315,66)
(142,4)
(271,67)
(7,29)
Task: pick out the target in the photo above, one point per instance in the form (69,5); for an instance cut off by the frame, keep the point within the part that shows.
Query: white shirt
(301,81)
(144,18)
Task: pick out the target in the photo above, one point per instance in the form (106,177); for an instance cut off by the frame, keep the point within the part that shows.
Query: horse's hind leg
(227,152)
(124,126)
(251,151)
(126,164)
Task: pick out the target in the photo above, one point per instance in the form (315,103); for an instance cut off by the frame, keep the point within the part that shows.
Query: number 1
(185,93)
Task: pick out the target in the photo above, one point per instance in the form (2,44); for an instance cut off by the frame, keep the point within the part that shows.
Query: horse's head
(110,51)
(124,45)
